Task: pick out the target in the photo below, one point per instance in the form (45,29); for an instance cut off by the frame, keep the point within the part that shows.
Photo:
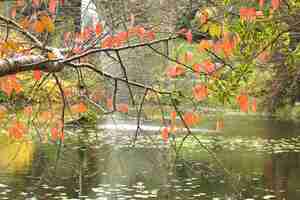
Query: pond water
(98,163)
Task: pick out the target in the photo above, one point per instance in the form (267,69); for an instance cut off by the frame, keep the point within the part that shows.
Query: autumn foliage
(214,67)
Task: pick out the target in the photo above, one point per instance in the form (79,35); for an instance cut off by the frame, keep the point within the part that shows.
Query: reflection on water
(15,156)
(93,165)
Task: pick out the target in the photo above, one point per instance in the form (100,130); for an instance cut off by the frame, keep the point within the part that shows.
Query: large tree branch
(27,63)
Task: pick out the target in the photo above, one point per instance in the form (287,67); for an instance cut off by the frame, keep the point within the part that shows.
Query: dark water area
(102,164)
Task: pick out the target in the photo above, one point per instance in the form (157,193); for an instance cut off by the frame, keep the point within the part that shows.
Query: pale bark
(27,63)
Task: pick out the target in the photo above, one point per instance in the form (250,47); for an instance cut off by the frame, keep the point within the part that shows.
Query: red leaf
(189,36)
(120,38)
(122,107)
(62,2)
(248,14)
(261,4)
(200,92)
(175,71)
(109,103)
(36,3)
(150,35)
(197,67)
(56,133)
(13,12)
(87,32)
(52,6)
(141,32)
(209,67)
(188,56)
(275,4)
(37,74)
(165,134)
(108,42)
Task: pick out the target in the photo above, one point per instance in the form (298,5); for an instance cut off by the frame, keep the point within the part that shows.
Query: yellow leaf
(215,30)
(204,28)
(51,56)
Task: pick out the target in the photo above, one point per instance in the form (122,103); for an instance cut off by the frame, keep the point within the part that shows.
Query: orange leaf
(200,92)
(191,118)
(254,105)
(228,46)
(17,130)
(122,107)
(28,110)
(46,116)
(173,115)
(3,111)
(39,27)
(25,22)
(204,45)
(51,56)
(208,66)
(47,23)
(109,103)
(98,29)
(220,125)
(37,74)
(79,108)
(7,88)
(243,102)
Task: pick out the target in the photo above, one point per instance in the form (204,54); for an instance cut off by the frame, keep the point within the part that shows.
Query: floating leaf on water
(3,185)
(269,197)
